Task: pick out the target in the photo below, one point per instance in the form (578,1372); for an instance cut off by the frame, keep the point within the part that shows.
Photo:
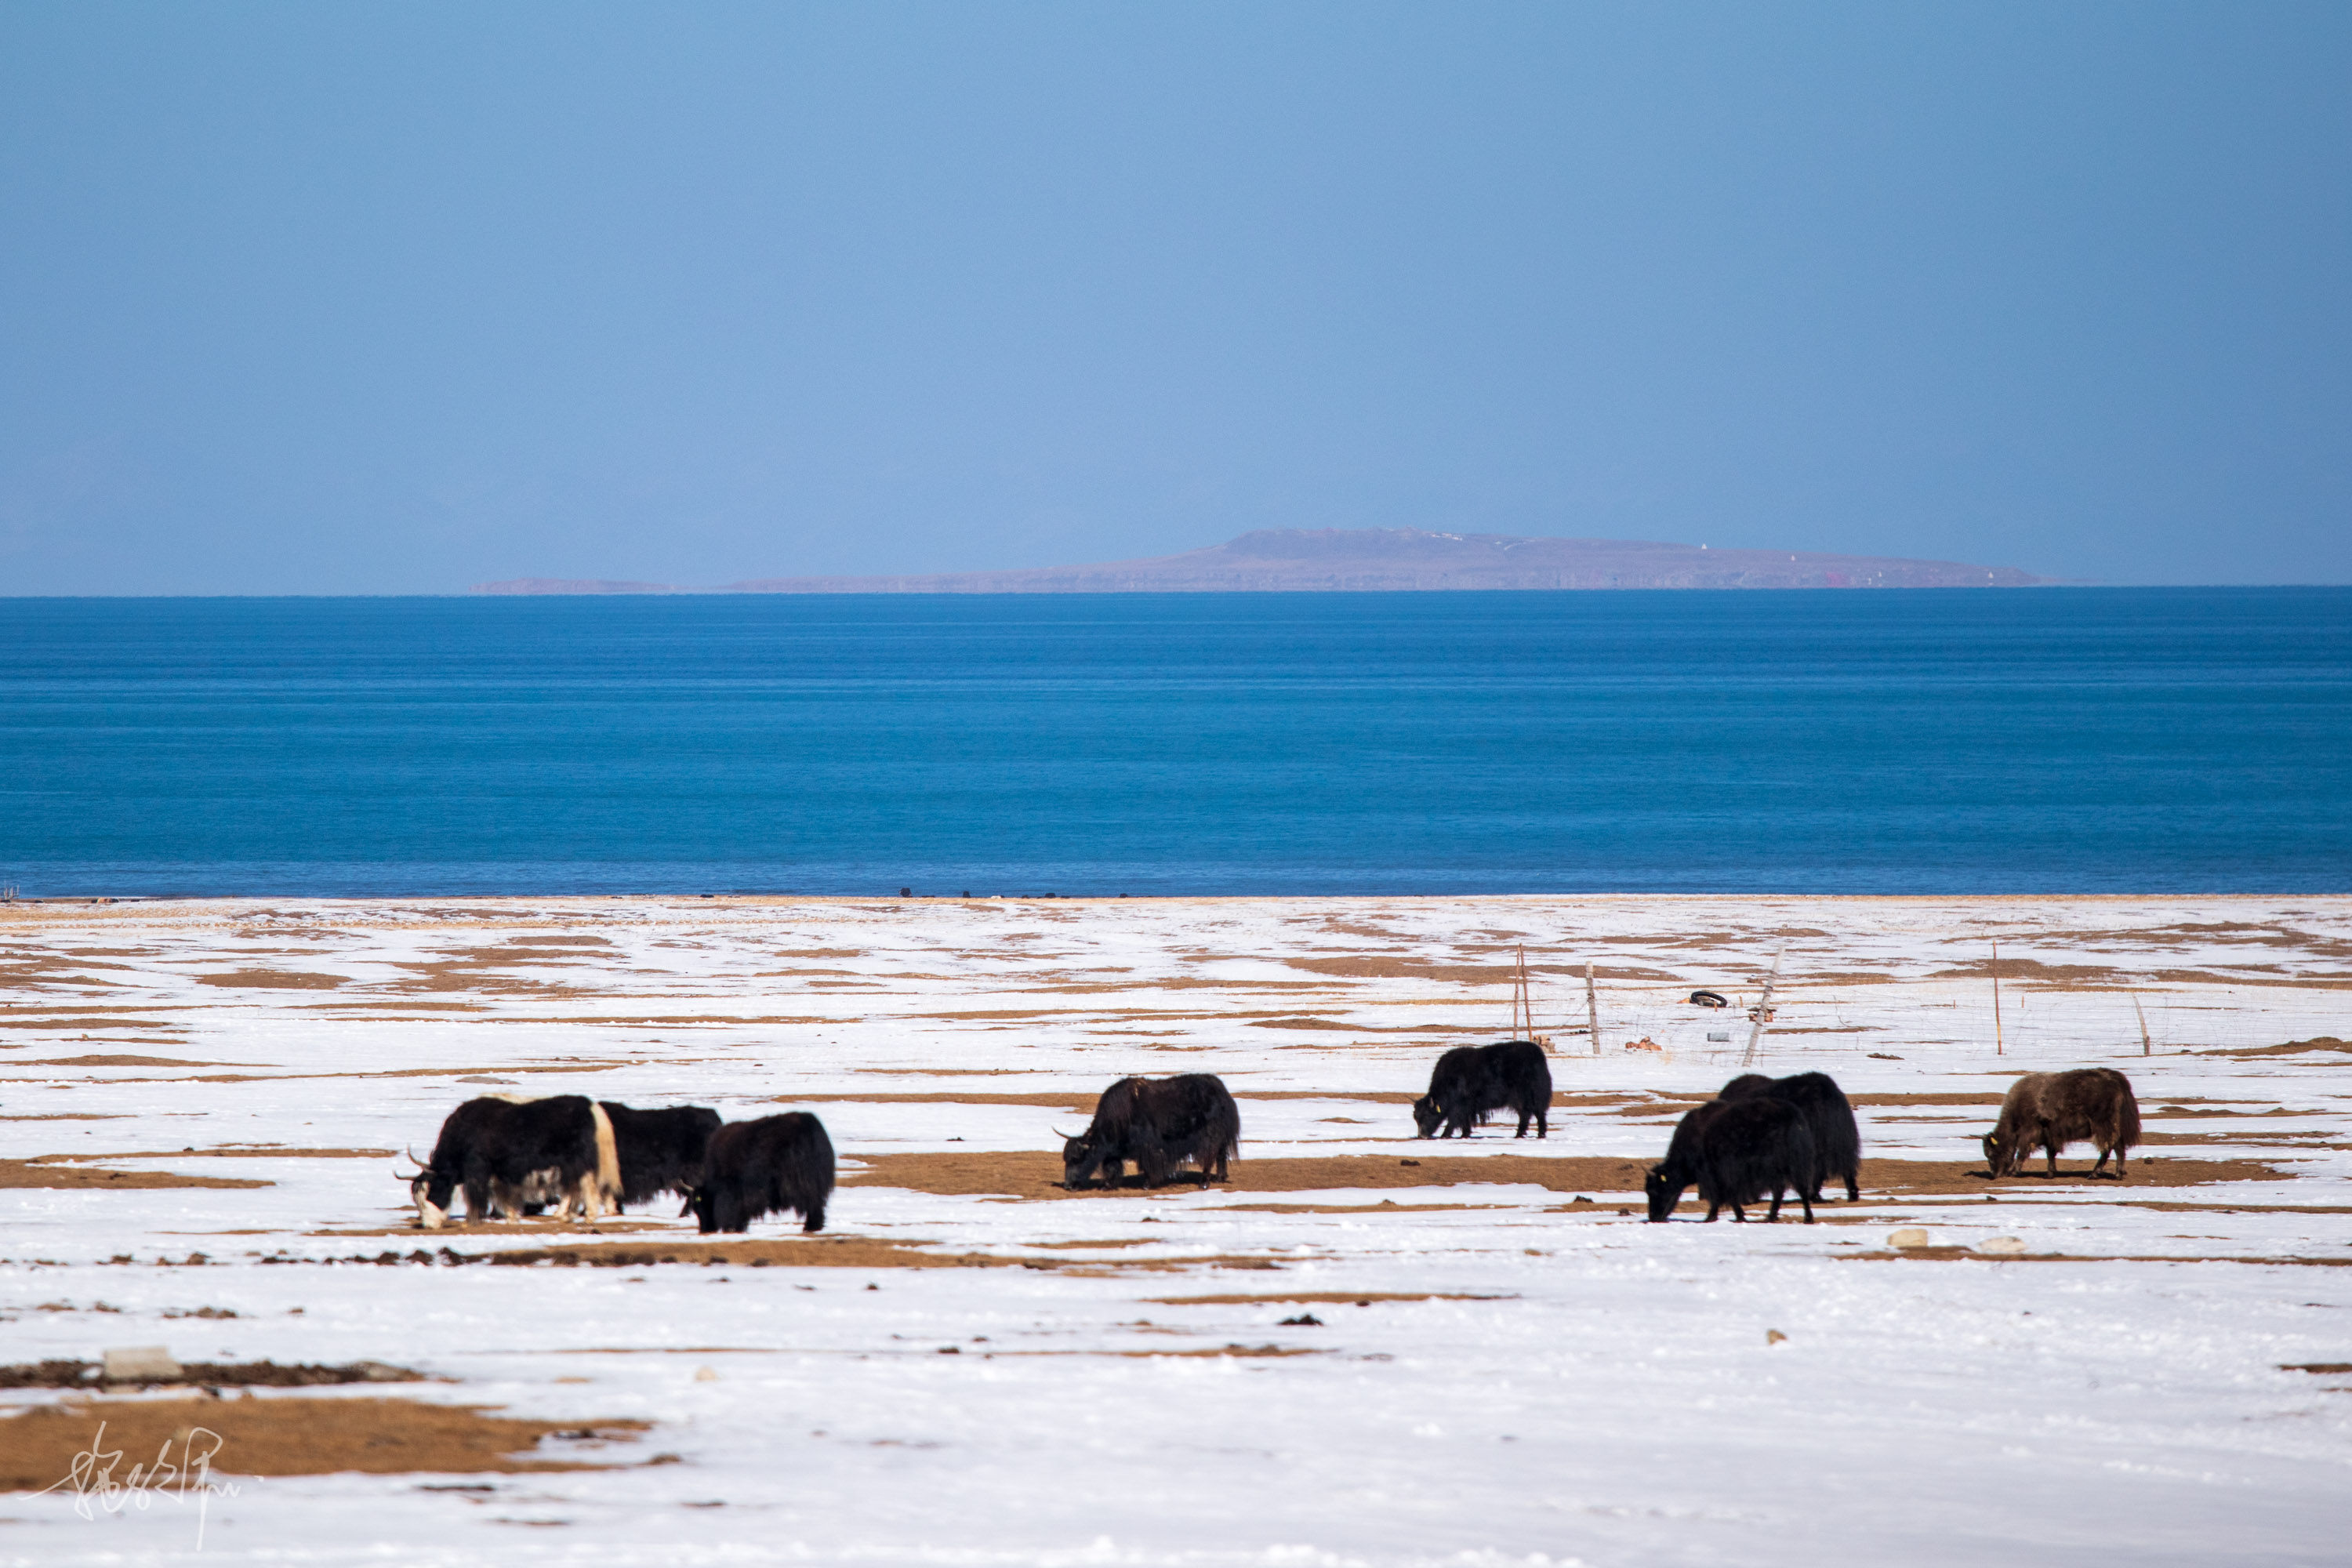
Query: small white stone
(141,1363)
(2008,1244)
(1908,1237)
(706,1374)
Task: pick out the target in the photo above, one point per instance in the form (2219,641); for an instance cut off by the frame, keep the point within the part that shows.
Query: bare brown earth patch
(224,1152)
(1081,1104)
(285,1435)
(2324,1043)
(212,1374)
(123,1061)
(1035,1175)
(33,1173)
(1968,1175)
(1962,1254)
(1026,1173)
(274,980)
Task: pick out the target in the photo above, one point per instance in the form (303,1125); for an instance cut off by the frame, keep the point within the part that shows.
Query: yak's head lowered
(430,1190)
(1427,1115)
(1082,1156)
(2004,1151)
(1664,1190)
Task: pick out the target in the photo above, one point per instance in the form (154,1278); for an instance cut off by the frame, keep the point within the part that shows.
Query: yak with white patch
(778,1164)
(660,1150)
(2048,1110)
(1155,1125)
(506,1155)
(1470,1083)
(1829,1115)
(1738,1152)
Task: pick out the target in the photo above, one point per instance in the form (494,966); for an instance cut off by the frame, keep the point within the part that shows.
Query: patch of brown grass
(123,1061)
(31,1173)
(274,980)
(287,1436)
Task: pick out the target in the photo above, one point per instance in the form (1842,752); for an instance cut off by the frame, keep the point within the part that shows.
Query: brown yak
(2049,1110)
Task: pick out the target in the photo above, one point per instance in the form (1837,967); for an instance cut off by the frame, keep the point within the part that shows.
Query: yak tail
(806,1179)
(2127,1118)
(608,1160)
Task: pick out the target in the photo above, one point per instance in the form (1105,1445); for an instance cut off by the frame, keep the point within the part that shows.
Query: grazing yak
(1471,1083)
(1665,1182)
(778,1164)
(2048,1110)
(1837,1141)
(506,1155)
(1157,1124)
(660,1150)
(1742,1150)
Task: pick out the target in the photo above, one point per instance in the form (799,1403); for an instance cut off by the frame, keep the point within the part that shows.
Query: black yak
(1755,1147)
(1837,1141)
(1665,1181)
(777,1164)
(1157,1124)
(506,1155)
(659,1151)
(1470,1083)
(2049,1110)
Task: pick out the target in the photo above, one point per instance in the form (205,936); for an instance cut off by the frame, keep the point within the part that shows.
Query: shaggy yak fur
(1157,1124)
(1755,1147)
(777,1164)
(1666,1181)
(508,1156)
(1472,1082)
(660,1150)
(2048,1110)
(1837,1141)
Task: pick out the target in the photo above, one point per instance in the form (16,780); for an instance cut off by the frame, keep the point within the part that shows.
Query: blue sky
(394,299)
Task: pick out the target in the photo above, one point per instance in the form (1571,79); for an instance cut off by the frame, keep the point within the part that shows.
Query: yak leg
(1809,1207)
(1853,1193)
(1774,1217)
(1542,1126)
(814,1220)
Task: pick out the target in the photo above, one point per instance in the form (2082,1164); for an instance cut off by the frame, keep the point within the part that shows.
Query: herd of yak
(1761,1137)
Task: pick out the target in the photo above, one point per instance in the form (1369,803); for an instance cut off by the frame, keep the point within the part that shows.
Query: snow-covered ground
(1534,1380)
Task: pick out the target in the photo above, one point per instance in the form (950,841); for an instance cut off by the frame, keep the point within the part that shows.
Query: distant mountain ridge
(1383,560)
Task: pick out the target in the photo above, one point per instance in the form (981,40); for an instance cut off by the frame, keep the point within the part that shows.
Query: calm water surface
(2054,740)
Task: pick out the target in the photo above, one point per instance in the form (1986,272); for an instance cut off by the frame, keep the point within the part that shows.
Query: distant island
(1381,559)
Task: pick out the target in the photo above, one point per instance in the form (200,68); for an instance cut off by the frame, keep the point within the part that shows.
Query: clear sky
(396,298)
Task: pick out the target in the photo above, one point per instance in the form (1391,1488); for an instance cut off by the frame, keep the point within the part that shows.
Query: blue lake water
(1977,741)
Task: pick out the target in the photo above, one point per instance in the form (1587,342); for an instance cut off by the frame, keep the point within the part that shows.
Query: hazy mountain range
(1325,561)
